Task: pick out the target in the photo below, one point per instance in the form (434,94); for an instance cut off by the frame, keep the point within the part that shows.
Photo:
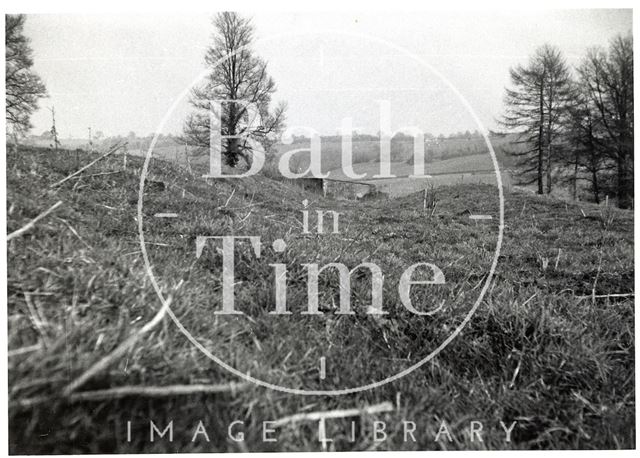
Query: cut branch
(31,224)
(121,349)
(156,391)
(605,296)
(140,391)
(108,153)
(342,413)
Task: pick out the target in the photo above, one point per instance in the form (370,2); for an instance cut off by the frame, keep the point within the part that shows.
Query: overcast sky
(121,73)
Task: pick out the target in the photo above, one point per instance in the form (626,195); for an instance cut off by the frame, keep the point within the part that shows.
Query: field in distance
(457,165)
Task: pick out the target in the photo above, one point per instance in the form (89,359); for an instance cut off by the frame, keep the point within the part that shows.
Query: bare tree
(525,113)
(586,139)
(558,93)
(54,130)
(236,75)
(608,80)
(23,87)
(535,106)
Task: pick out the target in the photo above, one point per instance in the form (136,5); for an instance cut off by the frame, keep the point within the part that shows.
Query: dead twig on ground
(23,350)
(122,348)
(340,413)
(108,153)
(74,232)
(603,296)
(31,224)
(141,391)
(39,322)
(229,199)
(157,391)
(98,174)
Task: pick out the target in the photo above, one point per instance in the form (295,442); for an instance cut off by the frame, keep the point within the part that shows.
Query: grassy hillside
(536,351)
(436,151)
(457,165)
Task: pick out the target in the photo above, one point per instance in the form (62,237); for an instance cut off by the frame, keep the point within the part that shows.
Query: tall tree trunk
(594,183)
(232,151)
(593,161)
(624,191)
(540,140)
(625,154)
(575,177)
(549,134)
(549,167)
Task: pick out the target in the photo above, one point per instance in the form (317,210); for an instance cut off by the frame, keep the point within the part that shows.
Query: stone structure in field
(310,184)
(339,189)
(400,186)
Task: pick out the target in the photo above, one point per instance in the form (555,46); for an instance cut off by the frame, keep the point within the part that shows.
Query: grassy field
(399,187)
(368,151)
(457,165)
(540,350)
(474,169)
(471,168)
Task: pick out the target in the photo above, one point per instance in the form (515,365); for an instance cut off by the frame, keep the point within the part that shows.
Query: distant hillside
(457,165)
(402,151)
